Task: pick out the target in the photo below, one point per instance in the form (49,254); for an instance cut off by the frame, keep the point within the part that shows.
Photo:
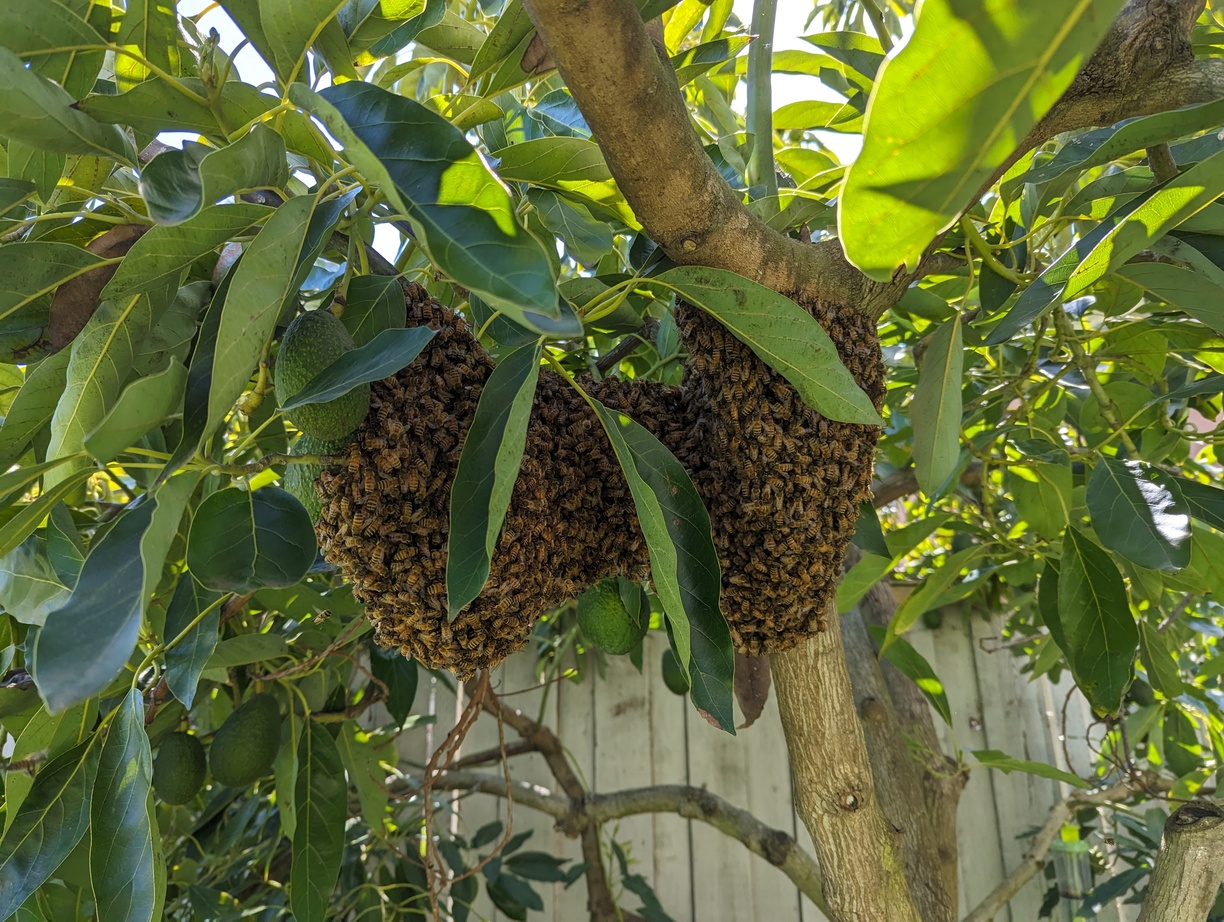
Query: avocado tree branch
(1190,866)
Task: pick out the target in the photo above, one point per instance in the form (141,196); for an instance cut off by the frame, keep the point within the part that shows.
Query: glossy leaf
(122,824)
(49,824)
(166,251)
(1206,502)
(241,540)
(1138,511)
(1096,621)
(37,112)
(321,797)
(186,659)
(102,356)
(782,334)
(178,184)
(29,273)
(488,469)
(949,108)
(85,644)
(271,270)
(683,562)
(918,670)
(29,586)
(1176,200)
(936,408)
(462,216)
(401,676)
(374,303)
(146,402)
(384,355)
(33,406)
(432,15)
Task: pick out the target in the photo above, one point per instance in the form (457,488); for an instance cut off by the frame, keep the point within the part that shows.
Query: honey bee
(354,462)
(369,484)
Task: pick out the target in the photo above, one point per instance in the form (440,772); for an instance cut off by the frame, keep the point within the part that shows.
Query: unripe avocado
(606,622)
(179,769)
(673,676)
(299,478)
(244,749)
(313,341)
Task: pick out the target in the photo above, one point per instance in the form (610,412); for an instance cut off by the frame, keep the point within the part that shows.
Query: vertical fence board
(575,725)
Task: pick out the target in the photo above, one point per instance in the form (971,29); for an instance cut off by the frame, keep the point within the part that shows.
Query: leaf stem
(760,100)
(1109,409)
(181,636)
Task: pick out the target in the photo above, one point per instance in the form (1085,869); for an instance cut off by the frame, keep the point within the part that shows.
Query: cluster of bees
(782,485)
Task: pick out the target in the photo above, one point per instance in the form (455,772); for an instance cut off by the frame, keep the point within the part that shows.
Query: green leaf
(1138,511)
(695,61)
(14,192)
(29,273)
(151,27)
(373,303)
(914,666)
(102,356)
(241,540)
(1096,621)
(246,649)
(178,184)
(270,272)
(296,26)
(1206,502)
(365,22)
(936,408)
(384,355)
(401,676)
(37,112)
(145,403)
(48,826)
(361,762)
(1186,290)
(862,53)
(1183,752)
(1104,145)
(683,562)
(186,659)
(402,34)
(508,32)
(33,406)
(85,644)
(923,599)
(1159,662)
(463,217)
(122,824)
(1184,195)
(162,254)
(29,586)
(992,758)
(321,798)
(488,469)
(51,24)
(1043,495)
(30,515)
(782,334)
(949,108)
(587,238)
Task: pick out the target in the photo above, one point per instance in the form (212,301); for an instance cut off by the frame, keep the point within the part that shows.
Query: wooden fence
(628,730)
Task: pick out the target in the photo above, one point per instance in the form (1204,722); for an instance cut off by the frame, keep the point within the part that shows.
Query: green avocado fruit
(673,676)
(313,341)
(606,622)
(244,749)
(299,478)
(179,769)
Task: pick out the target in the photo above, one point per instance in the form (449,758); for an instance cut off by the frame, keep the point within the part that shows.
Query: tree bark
(860,853)
(1190,867)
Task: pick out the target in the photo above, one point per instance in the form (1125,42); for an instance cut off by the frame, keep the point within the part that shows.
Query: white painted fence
(627,730)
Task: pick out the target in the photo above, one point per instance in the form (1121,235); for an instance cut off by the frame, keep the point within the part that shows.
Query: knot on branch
(782,485)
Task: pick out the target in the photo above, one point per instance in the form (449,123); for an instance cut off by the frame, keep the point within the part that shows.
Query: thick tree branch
(635,109)
(1190,867)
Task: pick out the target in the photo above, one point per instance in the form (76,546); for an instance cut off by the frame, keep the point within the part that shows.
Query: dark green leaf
(29,586)
(868,535)
(1096,620)
(321,799)
(39,113)
(683,562)
(87,642)
(51,821)
(29,516)
(373,303)
(35,27)
(1186,290)
(122,824)
(400,675)
(1138,511)
(992,758)
(246,649)
(241,540)
(693,62)
(782,334)
(463,217)
(488,469)
(178,184)
(384,355)
(949,108)
(165,251)
(936,408)
(1206,502)
(1158,662)
(914,665)
(536,866)
(587,238)
(145,403)
(1182,750)
(29,273)
(403,33)
(186,659)
(33,406)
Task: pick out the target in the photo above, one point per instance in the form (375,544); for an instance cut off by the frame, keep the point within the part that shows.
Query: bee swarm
(782,485)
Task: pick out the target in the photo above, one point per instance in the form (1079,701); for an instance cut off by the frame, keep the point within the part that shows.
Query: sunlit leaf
(1138,511)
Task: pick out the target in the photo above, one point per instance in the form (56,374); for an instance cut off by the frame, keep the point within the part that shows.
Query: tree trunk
(1190,867)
